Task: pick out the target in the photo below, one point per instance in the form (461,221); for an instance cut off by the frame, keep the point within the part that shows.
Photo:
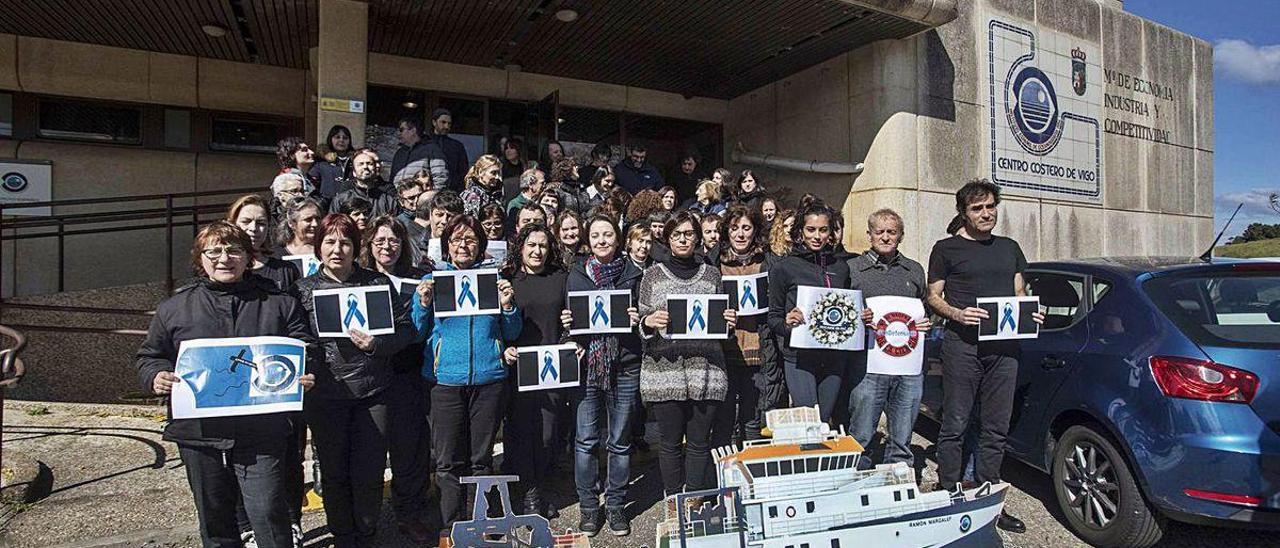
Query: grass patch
(1250,250)
(37,411)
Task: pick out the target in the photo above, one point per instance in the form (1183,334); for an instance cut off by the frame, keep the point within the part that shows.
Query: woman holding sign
(464,360)
(742,255)
(538,276)
(683,381)
(611,381)
(386,250)
(347,412)
(233,456)
(250,214)
(814,377)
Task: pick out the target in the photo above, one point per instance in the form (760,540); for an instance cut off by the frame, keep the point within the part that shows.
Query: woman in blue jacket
(464,362)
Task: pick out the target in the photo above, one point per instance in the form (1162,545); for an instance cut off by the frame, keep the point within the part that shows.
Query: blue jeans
(898,396)
(592,406)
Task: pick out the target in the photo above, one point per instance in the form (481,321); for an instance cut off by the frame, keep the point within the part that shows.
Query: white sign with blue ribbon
(749,293)
(307,264)
(600,312)
(341,310)
(1008,318)
(238,376)
(546,367)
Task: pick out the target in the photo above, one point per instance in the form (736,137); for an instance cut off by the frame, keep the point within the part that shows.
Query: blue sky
(1246,96)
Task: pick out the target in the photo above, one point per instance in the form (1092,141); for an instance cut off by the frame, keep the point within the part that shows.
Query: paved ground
(117,484)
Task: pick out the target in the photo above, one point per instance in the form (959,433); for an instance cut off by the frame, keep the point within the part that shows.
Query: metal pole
(168,244)
(62,245)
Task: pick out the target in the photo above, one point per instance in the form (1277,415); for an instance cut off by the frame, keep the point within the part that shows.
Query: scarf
(602,350)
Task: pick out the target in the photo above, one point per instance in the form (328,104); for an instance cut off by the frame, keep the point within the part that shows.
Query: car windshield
(1222,308)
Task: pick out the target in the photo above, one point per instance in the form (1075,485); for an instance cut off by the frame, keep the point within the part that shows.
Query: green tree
(1257,231)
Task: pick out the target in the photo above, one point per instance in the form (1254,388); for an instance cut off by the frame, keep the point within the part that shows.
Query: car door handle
(1050,362)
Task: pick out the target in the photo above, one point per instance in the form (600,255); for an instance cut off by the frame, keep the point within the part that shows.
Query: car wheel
(1097,492)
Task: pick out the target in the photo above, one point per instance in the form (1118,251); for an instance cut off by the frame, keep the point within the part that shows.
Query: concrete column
(341,66)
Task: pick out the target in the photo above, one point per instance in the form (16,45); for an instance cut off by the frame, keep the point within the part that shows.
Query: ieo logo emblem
(1034,112)
(14,182)
(965,523)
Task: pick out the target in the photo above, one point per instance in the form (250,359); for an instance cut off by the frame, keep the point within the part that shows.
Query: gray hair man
(884,271)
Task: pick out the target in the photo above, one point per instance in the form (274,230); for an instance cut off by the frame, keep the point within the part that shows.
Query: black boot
(1009,523)
(590,522)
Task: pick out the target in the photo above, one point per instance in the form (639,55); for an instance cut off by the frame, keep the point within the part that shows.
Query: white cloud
(1244,61)
(1256,209)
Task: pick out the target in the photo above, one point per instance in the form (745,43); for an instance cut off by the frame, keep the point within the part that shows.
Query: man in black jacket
(455,155)
(416,154)
(368,186)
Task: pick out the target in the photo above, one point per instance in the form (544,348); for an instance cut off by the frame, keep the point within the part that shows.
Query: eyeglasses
(386,242)
(231,251)
(684,235)
(464,241)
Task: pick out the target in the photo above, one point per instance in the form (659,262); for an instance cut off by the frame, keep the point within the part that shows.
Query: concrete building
(1098,123)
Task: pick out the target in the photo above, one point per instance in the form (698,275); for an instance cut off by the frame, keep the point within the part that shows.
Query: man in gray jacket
(884,271)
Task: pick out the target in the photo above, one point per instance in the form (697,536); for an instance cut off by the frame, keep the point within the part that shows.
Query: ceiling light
(214,30)
(409,104)
(567,15)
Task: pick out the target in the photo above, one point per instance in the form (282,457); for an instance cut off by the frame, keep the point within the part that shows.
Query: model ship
(802,489)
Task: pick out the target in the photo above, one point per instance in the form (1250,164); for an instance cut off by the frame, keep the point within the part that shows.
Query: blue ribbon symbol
(312,267)
(600,314)
(697,316)
(548,367)
(353,311)
(1007,318)
(466,294)
(746,294)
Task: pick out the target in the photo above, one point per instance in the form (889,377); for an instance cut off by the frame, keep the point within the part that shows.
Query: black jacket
(342,370)
(628,344)
(252,307)
(802,267)
(381,195)
(425,152)
(455,159)
(409,360)
(335,176)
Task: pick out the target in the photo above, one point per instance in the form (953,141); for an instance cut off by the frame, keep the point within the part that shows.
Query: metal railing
(180,209)
(60,226)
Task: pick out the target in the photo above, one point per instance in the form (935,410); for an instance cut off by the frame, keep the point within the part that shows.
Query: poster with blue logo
(1008,318)
(748,293)
(341,310)
(697,316)
(547,367)
(1045,106)
(307,264)
(895,343)
(832,319)
(238,376)
(600,312)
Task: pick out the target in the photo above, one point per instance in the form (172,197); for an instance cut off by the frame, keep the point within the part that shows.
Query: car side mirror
(1273,312)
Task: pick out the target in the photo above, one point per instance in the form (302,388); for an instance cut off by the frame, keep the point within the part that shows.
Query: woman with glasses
(813,377)
(347,411)
(238,458)
(463,357)
(683,382)
(610,383)
(250,214)
(538,276)
(296,235)
(387,251)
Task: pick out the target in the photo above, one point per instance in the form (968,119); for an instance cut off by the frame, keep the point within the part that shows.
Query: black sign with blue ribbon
(341,310)
(748,293)
(465,292)
(1008,318)
(600,312)
(697,316)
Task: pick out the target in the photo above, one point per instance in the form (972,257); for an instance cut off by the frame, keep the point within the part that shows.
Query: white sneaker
(246,539)
(297,536)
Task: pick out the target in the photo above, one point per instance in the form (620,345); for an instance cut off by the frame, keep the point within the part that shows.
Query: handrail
(12,369)
(60,225)
(134,198)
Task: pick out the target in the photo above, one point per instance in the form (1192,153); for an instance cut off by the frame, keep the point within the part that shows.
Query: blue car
(1153,393)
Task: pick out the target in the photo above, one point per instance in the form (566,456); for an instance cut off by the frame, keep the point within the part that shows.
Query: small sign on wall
(342,105)
(26,181)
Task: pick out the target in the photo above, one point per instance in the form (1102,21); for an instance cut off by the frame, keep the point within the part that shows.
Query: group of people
(434,395)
